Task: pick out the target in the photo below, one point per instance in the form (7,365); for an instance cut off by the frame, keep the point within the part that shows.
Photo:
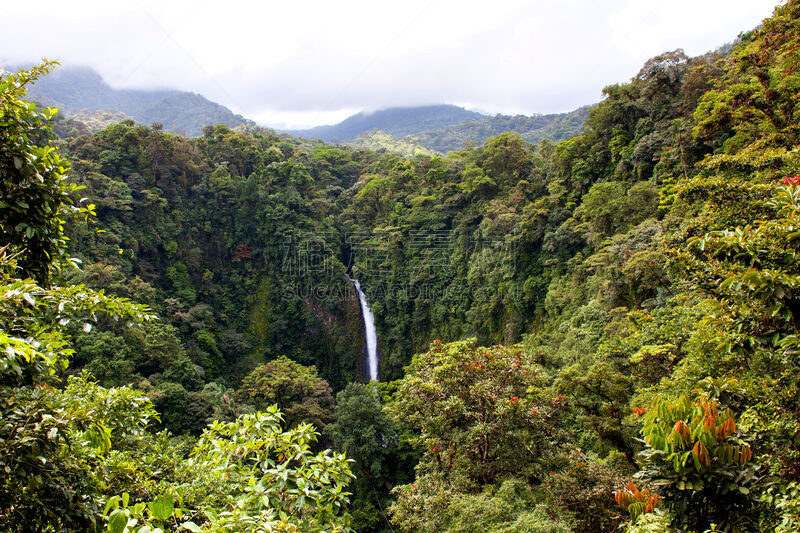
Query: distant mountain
(555,127)
(81,94)
(396,121)
(189,113)
(442,128)
(78,90)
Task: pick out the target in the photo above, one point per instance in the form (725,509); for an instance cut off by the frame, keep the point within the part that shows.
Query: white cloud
(642,26)
(305,62)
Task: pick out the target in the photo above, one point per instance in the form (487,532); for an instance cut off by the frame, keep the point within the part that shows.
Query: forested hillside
(593,335)
(555,127)
(80,92)
(443,128)
(396,121)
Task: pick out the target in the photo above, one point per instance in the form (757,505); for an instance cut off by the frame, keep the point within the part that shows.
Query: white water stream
(370,333)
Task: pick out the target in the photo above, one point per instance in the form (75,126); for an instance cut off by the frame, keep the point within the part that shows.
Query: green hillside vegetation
(187,114)
(80,93)
(379,141)
(554,127)
(593,335)
(427,130)
(396,121)
(94,120)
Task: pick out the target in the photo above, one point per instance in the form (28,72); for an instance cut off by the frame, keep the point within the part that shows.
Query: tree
(36,198)
(55,451)
(602,209)
(66,450)
(757,96)
(506,159)
(700,463)
(362,430)
(297,390)
(268,478)
(601,393)
(478,418)
(50,443)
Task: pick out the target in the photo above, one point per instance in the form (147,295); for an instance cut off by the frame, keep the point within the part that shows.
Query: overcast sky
(308,62)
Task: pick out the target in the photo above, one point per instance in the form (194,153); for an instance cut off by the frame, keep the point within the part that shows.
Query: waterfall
(369,331)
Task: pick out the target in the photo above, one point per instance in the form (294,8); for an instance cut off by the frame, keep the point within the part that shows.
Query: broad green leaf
(162,506)
(118,521)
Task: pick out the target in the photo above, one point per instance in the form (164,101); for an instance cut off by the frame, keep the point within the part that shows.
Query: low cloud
(304,63)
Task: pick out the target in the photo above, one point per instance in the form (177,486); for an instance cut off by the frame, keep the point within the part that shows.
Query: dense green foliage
(595,335)
(555,127)
(431,130)
(379,141)
(32,181)
(74,453)
(295,389)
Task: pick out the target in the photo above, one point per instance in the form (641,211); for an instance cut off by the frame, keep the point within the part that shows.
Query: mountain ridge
(397,121)
(533,128)
(81,93)
(75,90)
(410,125)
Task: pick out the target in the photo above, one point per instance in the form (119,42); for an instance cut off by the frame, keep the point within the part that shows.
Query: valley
(422,319)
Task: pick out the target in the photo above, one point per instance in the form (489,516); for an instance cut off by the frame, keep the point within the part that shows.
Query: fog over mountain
(80,92)
(302,64)
(74,90)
